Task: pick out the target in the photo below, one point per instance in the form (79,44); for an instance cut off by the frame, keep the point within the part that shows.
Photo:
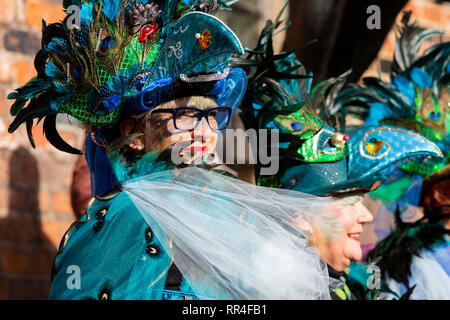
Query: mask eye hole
(324,140)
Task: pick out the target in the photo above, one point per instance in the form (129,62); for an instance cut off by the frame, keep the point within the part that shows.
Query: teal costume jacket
(112,253)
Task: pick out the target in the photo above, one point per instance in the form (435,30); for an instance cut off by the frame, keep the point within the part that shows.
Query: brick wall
(35,206)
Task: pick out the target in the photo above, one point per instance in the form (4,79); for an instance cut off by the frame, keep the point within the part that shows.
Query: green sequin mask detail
(317,138)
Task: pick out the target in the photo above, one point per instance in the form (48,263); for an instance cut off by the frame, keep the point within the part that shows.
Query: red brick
(2,288)
(7,70)
(23,167)
(5,104)
(25,71)
(14,260)
(4,197)
(18,199)
(8,12)
(49,12)
(60,203)
(68,137)
(28,289)
(44,200)
(39,137)
(42,260)
(4,166)
(22,230)
(55,229)
(21,41)
(55,173)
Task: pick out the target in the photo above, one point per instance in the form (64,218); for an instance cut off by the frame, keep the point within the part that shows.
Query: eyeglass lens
(188,119)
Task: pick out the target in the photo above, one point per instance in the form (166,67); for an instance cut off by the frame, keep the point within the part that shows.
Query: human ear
(306,228)
(126,128)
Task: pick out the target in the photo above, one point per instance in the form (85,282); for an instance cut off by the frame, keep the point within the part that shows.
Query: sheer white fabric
(234,240)
(431,280)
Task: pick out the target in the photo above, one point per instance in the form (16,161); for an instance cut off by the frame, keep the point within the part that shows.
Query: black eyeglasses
(188,118)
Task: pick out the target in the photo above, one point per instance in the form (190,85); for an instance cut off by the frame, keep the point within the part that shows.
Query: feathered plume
(394,253)
(418,89)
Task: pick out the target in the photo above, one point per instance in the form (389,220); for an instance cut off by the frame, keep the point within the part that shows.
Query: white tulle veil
(234,240)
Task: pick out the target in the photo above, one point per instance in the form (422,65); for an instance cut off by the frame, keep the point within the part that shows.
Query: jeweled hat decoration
(124,50)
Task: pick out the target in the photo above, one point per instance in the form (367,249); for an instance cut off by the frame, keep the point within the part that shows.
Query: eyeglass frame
(203,114)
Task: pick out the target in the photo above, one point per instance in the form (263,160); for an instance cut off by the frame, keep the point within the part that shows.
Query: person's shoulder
(117,205)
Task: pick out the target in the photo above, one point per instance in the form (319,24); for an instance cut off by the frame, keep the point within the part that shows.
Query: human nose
(202,130)
(364,215)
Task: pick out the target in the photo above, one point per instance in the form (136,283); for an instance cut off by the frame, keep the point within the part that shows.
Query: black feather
(54,138)
(54,30)
(396,251)
(408,293)
(31,89)
(40,61)
(30,133)
(17,106)
(38,107)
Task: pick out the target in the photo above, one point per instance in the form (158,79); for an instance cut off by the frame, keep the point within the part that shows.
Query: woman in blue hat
(316,158)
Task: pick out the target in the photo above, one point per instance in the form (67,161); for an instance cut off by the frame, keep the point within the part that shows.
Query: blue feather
(30,90)
(53,71)
(62,89)
(420,78)
(58,45)
(110,8)
(378,111)
(402,84)
(86,13)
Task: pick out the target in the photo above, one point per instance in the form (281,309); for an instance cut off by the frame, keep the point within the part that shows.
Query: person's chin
(355,254)
(343,264)
(189,158)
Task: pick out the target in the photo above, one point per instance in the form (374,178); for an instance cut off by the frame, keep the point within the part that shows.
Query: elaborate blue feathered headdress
(416,98)
(315,157)
(127,56)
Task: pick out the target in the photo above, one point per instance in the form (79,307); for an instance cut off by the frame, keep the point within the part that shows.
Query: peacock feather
(279,96)
(417,95)
(418,87)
